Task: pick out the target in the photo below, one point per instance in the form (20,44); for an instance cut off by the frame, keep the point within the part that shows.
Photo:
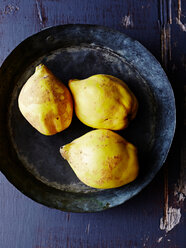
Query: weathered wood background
(153,219)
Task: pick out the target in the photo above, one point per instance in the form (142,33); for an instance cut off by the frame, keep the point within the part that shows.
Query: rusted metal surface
(160,26)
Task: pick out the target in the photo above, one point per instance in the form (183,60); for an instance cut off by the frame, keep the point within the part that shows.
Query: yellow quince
(46,102)
(102,159)
(103,101)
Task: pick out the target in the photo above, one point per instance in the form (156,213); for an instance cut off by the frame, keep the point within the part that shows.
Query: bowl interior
(40,154)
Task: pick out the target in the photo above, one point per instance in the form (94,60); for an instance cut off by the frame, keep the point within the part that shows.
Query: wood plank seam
(165,17)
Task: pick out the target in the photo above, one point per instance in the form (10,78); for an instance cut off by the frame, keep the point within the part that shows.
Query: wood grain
(157,24)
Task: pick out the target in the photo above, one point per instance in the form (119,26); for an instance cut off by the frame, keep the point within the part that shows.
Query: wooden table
(155,217)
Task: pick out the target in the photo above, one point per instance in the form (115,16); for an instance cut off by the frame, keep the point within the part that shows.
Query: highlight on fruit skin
(45,102)
(102,159)
(103,101)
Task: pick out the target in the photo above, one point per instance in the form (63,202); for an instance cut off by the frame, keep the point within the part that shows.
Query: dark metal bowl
(31,161)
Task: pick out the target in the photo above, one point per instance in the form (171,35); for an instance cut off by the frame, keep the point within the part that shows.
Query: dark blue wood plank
(125,226)
(126,16)
(24,223)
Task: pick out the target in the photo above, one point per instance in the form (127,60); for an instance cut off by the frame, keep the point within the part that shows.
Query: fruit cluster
(101,158)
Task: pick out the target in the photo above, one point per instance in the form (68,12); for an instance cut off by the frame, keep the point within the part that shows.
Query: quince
(103,101)
(102,159)
(45,102)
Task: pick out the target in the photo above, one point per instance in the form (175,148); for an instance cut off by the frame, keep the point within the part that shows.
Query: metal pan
(31,161)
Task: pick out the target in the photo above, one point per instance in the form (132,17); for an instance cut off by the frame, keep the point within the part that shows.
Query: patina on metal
(31,161)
